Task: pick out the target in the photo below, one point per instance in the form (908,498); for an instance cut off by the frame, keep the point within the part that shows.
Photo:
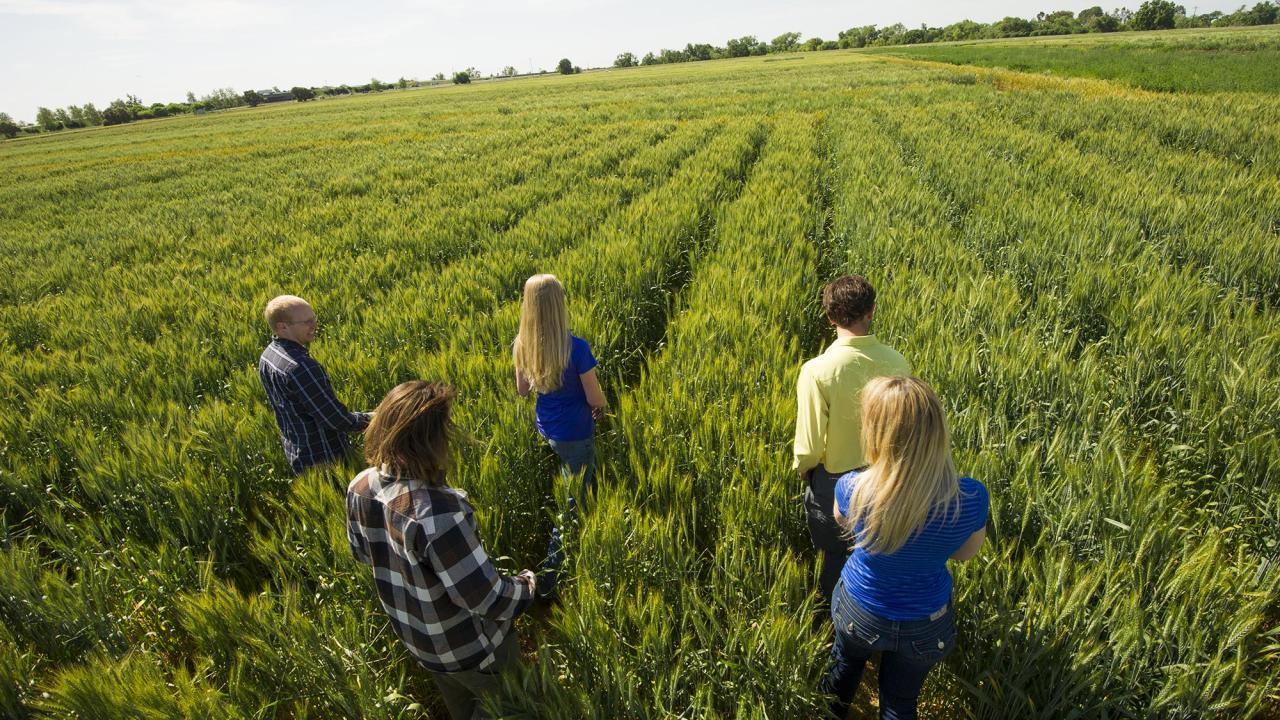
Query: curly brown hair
(848,300)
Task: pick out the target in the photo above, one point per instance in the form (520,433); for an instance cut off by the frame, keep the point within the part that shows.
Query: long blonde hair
(541,349)
(910,472)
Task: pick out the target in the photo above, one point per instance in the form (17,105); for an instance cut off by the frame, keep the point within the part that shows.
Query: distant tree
(75,116)
(786,42)
(1063,22)
(963,30)
(1095,20)
(222,99)
(701,51)
(1012,27)
(666,57)
(118,113)
(649,59)
(92,116)
(830,45)
(917,36)
(624,60)
(565,66)
(402,83)
(744,46)
(47,120)
(8,127)
(1264,13)
(859,36)
(253,98)
(892,35)
(1182,20)
(302,94)
(813,43)
(376,85)
(509,71)
(1154,15)
(462,78)
(438,77)
(1090,13)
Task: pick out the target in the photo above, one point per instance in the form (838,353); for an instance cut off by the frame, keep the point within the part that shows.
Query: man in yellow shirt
(829,412)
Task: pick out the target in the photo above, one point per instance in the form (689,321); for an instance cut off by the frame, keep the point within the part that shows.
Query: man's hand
(598,411)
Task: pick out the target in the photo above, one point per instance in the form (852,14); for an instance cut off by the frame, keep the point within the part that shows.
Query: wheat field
(1088,273)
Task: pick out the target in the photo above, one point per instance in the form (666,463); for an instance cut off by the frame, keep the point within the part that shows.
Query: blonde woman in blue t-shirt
(558,366)
(908,513)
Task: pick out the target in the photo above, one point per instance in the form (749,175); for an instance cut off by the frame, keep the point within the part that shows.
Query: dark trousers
(462,690)
(908,651)
(827,535)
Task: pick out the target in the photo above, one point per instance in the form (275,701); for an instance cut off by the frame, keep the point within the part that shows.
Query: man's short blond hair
(281,308)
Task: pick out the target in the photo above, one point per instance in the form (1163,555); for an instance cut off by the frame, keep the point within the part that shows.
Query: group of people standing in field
(884,504)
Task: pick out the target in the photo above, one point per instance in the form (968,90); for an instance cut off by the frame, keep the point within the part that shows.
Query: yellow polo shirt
(828,408)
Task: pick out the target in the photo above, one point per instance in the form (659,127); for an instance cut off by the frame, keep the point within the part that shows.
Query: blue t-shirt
(564,413)
(913,582)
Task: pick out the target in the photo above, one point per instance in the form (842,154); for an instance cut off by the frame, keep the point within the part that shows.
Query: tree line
(131,108)
(1151,15)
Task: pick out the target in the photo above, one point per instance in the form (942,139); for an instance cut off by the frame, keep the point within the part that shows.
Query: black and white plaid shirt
(313,423)
(445,599)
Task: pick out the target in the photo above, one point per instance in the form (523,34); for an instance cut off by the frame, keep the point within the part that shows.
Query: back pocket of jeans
(863,637)
(933,649)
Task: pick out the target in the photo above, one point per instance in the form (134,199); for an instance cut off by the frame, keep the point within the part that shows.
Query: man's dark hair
(848,299)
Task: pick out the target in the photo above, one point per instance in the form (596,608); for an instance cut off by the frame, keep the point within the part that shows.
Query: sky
(69,52)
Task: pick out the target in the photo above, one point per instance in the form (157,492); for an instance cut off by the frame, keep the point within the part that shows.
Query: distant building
(275,95)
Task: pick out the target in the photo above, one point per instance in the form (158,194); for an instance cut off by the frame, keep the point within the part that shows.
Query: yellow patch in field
(1015,80)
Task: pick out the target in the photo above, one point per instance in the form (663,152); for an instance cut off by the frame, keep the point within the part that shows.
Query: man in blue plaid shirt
(313,424)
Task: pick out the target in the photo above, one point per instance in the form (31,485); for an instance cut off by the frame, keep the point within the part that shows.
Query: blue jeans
(577,457)
(908,651)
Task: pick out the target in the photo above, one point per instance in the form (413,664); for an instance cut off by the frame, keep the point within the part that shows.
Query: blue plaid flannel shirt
(445,599)
(313,423)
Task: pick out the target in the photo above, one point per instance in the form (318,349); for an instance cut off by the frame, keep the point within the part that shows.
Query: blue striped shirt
(564,413)
(313,423)
(912,582)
